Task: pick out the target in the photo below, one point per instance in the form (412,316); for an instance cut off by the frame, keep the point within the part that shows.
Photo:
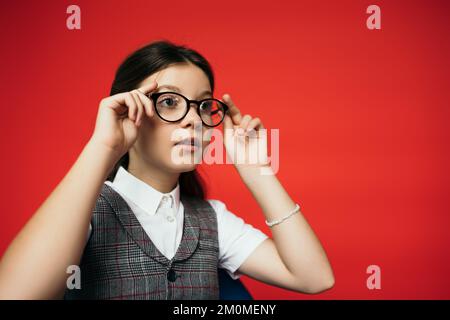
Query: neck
(156,178)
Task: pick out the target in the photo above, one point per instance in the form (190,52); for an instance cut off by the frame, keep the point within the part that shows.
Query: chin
(186,164)
(185,160)
(183,168)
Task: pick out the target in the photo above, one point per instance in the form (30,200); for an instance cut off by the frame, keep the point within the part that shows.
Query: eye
(207,105)
(168,101)
(211,107)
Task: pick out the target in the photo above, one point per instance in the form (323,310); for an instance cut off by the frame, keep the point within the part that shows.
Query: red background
(363,117)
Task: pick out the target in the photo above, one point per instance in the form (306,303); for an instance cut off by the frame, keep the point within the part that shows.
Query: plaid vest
(121,262)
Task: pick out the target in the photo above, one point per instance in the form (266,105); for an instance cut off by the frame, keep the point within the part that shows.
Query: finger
(121,103)
(145,89)
(146,102)
(129,101)
(235,113)
(227,122)
(245,121)
(140,106)
(255,123)
(136,112)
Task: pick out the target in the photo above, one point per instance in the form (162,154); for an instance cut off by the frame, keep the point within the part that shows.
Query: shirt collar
(142,194)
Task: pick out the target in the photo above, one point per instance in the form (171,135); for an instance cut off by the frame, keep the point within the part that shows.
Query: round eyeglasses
(173,107)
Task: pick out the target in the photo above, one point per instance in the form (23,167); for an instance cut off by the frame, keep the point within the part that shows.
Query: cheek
(154,136)
(161,139)
(206,135)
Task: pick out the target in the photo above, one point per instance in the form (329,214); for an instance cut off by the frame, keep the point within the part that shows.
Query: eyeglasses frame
(155,95)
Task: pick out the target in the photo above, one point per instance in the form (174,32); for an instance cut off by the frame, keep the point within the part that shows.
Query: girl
(147,232)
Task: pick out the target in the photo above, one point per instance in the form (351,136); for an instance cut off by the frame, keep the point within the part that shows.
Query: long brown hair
(141,64)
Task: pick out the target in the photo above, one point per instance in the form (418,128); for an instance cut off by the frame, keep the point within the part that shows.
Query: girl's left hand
(245,138)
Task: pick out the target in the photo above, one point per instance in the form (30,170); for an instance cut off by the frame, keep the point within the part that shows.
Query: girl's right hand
(119,117)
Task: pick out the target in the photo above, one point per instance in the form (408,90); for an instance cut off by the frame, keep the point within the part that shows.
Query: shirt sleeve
(237,239)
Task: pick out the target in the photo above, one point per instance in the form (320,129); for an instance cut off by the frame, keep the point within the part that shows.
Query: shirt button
(172,275)
(170,218)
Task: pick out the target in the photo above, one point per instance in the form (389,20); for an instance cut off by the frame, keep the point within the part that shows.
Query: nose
(192,118)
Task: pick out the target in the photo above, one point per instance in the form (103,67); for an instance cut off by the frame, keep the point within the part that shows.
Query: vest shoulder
(104,200)
(198,202)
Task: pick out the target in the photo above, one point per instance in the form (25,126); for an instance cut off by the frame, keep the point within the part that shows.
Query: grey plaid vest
(121,262)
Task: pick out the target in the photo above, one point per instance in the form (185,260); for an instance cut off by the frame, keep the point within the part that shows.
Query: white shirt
(164,226)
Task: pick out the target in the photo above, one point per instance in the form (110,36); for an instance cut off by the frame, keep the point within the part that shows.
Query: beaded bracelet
(290,214)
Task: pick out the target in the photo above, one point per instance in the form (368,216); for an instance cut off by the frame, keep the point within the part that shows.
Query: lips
(189,141)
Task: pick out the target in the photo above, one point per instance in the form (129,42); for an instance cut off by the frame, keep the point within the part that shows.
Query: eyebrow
(176,89)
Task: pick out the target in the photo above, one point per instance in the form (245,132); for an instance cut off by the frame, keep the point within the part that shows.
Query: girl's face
(156,142)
